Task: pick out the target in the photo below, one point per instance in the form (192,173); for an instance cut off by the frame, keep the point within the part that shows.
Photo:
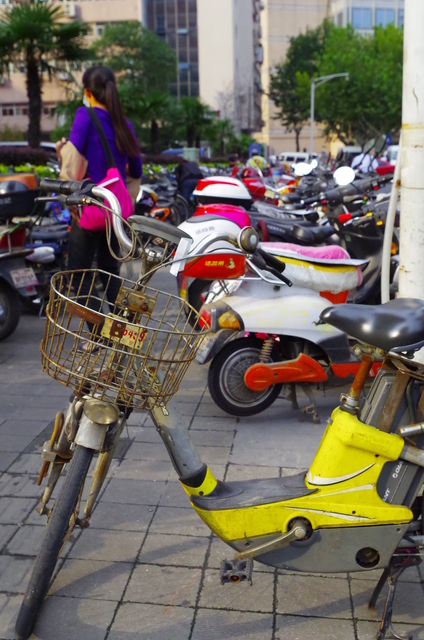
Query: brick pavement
(148,567)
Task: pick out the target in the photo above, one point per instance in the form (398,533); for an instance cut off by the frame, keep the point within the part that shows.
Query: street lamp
(316,82)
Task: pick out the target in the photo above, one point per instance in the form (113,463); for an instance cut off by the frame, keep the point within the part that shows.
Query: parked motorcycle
(18,281)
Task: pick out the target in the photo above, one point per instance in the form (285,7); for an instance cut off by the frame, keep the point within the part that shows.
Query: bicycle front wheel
(58,526)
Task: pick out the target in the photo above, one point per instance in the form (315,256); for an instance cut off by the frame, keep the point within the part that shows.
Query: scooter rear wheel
(9,310)
(226,379)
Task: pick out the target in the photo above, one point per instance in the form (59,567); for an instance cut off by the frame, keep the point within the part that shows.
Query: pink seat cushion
(329,252)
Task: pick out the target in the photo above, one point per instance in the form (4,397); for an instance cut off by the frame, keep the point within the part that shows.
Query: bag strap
(95,120)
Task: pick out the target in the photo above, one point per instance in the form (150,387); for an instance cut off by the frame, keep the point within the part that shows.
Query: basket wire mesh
(132,352)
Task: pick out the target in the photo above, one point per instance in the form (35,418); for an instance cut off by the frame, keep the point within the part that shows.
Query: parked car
(292,157)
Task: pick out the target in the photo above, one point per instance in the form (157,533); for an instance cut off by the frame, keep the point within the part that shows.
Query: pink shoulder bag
(93,218)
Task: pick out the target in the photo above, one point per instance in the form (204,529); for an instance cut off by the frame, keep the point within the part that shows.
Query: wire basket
(133,353)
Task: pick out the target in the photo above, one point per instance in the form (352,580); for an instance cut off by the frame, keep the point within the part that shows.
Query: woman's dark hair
(101,82)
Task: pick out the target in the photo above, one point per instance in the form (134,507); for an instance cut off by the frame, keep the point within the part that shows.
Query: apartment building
(13,95)
(363,15)
(230,59)
(282,20)
(221,70)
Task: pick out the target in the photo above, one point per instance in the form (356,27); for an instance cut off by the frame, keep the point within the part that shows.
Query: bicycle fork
(93,424)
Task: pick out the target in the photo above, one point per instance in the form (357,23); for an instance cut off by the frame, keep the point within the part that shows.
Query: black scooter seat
(50,233)
(397,325)
(312,235)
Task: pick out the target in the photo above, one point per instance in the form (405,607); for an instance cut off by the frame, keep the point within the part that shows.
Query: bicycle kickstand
(392,575)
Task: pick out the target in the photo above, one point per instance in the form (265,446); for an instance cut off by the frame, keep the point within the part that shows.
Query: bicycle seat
(397,325)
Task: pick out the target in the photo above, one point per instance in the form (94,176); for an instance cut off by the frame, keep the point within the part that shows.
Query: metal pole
(411,253)
(311,145)
(388,231)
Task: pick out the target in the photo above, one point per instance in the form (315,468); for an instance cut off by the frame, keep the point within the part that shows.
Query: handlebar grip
(64,187)
(271,260)
(273,265)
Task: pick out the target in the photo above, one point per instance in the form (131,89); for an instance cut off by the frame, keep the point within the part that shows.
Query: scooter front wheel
(226,379)
(58,528)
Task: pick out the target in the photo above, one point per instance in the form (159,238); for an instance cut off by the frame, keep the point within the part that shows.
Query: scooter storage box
(222,190)
(17,195)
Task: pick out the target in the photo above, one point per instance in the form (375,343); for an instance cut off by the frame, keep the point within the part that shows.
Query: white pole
(411,251)
(311,145)
(388,231)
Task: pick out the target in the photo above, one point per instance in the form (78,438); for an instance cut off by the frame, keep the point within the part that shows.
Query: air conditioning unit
(65,76)
(70,9)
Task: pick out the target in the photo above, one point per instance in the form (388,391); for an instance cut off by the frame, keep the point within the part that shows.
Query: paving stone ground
(148,567)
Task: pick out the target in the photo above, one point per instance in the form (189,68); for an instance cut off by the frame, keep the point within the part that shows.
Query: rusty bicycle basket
(133,353)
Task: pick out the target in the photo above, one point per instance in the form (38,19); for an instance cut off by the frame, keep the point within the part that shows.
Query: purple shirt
(86,140)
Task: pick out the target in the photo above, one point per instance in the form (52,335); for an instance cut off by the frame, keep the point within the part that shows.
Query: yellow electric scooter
(357,508)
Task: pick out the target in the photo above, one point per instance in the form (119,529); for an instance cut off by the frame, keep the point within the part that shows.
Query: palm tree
(32,34)
(195,116)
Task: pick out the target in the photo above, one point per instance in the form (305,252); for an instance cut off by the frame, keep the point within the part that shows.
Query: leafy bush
(11,134)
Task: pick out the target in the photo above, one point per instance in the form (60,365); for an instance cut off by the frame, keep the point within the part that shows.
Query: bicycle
(357,508)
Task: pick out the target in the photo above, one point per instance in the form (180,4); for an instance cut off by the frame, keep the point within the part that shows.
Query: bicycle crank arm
(298,532)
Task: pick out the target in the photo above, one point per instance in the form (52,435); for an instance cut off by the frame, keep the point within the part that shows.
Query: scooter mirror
(302,169)
(368,145)
(380,144)
(248,239)
(343,176)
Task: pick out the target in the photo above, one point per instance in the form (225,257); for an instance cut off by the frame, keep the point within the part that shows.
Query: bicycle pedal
(236,571)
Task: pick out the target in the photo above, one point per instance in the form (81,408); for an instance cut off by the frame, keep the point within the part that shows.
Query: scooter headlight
(100,412)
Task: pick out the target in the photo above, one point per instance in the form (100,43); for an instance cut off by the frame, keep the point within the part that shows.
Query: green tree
(371,102)
(145,66)
(219,134)
(290,83)
(196,117)
(32,34)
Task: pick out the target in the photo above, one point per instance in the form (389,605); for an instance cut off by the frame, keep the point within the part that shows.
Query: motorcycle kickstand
(312,408)
(392,575)
(292,396)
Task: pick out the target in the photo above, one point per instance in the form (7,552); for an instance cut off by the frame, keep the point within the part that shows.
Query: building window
(8,111)
(383,17)
(361,18)
(400,17)
(99,29)
(340,19)
(160,26)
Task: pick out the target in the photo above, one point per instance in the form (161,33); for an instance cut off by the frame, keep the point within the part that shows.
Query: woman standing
(101,94)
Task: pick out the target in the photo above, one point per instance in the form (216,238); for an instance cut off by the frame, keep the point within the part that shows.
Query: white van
(292,157)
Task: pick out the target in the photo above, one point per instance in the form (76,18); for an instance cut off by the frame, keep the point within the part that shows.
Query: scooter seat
(312,235)
(50,233)
(397,325)
(329,252)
